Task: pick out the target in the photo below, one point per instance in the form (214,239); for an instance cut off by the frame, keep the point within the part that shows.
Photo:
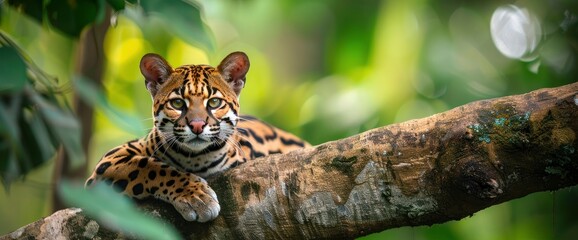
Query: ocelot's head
(195,106)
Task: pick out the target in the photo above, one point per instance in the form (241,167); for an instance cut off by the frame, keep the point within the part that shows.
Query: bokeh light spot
(181,53)
(515,32)
(126,50)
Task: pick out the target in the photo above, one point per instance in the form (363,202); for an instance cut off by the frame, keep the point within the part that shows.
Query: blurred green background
(324,70)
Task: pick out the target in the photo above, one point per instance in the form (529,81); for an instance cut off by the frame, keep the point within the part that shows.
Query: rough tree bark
(420,172)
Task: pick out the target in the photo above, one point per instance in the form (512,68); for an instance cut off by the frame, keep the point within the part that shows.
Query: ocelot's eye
(177,103)
(214,103)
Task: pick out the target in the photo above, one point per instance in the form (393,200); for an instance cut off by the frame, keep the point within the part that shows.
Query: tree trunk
(420,172)
(90,59)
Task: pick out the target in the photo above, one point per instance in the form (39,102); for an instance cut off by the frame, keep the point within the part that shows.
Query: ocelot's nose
(197,125)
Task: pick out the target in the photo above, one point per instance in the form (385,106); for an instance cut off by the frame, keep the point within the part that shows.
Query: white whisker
(246,119)
(147,119)
(235,145)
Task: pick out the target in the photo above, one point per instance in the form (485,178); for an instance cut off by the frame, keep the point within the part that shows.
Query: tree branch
(420,172)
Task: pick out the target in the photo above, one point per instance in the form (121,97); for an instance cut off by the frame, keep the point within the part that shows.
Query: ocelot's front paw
(199,203)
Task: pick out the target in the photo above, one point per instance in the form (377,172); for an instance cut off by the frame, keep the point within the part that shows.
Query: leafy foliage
(182,19)
(70,17)
(15,71)
(34,123)
(116,211)
(93,95)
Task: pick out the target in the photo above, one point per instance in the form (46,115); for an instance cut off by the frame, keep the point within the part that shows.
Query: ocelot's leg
(141,177)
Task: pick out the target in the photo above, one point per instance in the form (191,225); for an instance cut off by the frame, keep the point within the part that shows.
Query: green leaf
(10,170)
(117,5)
(182,19)
(29,149)
(9,111)
(10,108)
(62,124)
(71,17)
(46,146)
(102,203)
(93,95)
(13,70)
(5,163)
(32,8)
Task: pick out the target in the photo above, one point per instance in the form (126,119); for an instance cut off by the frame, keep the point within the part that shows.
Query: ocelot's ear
(233,69)
(156,71)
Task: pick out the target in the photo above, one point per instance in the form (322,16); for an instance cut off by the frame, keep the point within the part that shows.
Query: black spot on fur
(102,168)
(152,175)
(274,152)
(131,152)
(120,185)
(111,152)
(292,142)
(236,163)
(255,136)
(243,132)
(170,183)
(133,175)
(137,189)
(123,160)
(143,162)
(153,190)
(256,154)
(162,173)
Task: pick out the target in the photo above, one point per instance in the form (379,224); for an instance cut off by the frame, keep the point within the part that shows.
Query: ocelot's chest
(252,139)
